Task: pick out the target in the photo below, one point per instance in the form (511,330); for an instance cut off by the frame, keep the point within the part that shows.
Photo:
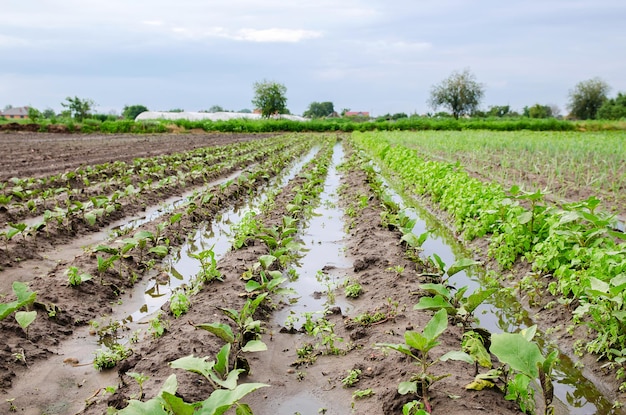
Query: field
(312,273)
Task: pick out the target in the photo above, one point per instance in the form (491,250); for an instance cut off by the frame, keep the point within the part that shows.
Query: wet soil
(301,387)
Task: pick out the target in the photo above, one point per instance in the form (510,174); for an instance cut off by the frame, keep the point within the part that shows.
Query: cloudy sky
(381,56)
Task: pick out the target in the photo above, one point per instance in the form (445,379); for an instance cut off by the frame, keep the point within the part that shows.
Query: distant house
(356,114)
(15,113)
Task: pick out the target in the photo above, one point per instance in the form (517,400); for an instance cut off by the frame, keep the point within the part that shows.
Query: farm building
(15,113)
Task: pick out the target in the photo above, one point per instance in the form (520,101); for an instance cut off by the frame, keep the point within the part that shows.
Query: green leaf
(461,265)
(243,409)
(221,364)
(437,325)
(223,331)
(194,364)
(25,318)
(476,298)
(267,261)
(516,351)
(457,355)
(407,387)
(23,293)
(254,346)
(151,407)
(436,289)
(480,384)
(7,308)
(473,344)
(91,218)
(252,285)
(221,400)
(176,405)
(434,303)
(415,340)
(160,250)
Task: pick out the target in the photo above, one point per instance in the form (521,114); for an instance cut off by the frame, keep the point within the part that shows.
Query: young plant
(352,378)
(267,281)
(525,363)
(108,358)
(75,277)
(353,289)
(208,263)
(24,298)
(247,336)
(423,343)
(179,303)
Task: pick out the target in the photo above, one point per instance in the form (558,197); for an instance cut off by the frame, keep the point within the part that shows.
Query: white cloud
(276,35)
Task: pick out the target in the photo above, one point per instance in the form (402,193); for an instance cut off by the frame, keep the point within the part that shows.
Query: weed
(108,358)
(352,378)
(353,289)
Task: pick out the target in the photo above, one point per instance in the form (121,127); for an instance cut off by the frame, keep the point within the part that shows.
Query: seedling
(108,358)
(179,303)
(141,379)
(353,289)
(248,331)
(423,343)
(75,277)
(352,378)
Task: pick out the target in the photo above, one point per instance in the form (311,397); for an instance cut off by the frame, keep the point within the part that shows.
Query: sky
(364,55)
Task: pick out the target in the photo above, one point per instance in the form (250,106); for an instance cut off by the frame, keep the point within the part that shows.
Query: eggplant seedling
(423,343)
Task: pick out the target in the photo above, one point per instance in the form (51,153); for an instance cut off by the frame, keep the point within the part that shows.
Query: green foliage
(131,112)
(353,290)
(108,358)
(179,303)
(319,109)
(586,98)
(352,378)
(460,93)
(269,98)
(417,346)
(613,108)
(538,111)
(78,108)
(24,296)
(75,277)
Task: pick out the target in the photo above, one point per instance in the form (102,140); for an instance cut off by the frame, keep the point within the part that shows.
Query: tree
(130,112)
(34,114)
(586,98)
(78,108)
(613,108)
(498,111)
(49,113)
(538,111)
(319,109)
(215,108)
(460,93)
(269,97)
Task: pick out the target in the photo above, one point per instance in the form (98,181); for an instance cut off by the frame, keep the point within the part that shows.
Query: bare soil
(371,248)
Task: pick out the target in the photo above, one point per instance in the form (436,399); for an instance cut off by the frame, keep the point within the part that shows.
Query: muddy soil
(295,386)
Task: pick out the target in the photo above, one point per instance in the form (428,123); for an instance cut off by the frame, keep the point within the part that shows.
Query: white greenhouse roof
(213,116)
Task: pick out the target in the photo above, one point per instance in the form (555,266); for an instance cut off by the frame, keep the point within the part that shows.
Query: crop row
(242,334)
(573,250)
(458,307)
(30,196)
(566,164)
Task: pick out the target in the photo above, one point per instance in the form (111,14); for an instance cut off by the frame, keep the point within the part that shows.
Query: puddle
(322,267)
(573,393)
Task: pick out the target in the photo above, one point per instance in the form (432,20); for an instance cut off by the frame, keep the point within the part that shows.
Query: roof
(357,114)
(15,111)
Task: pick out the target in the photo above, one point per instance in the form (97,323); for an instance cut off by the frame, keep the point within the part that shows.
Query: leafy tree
(538,111)
(613,108)
(78,108)
(498,111)
(319,109)
(245,111)
(131,112)
(216,108)
(269,97)
(460,93)
(34,114)
(587,97)
(49,113)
